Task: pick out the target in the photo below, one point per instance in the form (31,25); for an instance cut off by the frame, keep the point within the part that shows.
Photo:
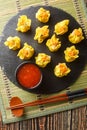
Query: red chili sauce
(29,75)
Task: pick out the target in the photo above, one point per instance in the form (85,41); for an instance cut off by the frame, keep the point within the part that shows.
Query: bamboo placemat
(7,89)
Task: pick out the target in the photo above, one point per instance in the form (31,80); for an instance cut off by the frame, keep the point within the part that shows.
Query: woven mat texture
(8,9)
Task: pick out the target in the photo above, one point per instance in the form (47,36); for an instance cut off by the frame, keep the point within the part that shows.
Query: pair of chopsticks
(69,96)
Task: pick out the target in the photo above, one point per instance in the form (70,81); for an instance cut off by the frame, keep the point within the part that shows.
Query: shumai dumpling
(61,70)
(41,33)
(26,52)
(13,42)
(71,53)
(42,59)
(53,44)
(76,36)
(61,27)
(24,24)
(43,15)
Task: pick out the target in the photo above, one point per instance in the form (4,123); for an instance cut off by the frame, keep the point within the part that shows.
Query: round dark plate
(51,84)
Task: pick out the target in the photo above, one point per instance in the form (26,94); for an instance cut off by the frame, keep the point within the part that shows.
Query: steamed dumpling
(61,27)
(26,52)
(43,15)
(24,24)
(53,44)
(13,42)
(71,53)
(42,59)
(76,36)
(61,70)
(41,33)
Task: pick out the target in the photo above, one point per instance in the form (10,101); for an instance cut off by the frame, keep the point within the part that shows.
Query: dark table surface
(75,119)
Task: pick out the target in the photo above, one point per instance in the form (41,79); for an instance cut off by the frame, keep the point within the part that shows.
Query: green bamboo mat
(7,89)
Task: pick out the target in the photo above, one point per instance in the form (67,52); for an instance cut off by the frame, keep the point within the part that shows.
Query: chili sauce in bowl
(28,75)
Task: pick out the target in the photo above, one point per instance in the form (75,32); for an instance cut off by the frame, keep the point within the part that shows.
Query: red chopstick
(58,98)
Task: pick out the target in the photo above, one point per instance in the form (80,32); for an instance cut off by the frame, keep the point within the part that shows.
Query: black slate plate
(51,84)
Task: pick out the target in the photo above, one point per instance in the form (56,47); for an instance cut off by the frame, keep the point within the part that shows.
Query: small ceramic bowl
(28,75)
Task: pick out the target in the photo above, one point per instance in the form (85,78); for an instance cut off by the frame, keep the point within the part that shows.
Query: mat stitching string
(80,16)
(18,5)
(8,91)
(7,86)
(46,2)
(40,106)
